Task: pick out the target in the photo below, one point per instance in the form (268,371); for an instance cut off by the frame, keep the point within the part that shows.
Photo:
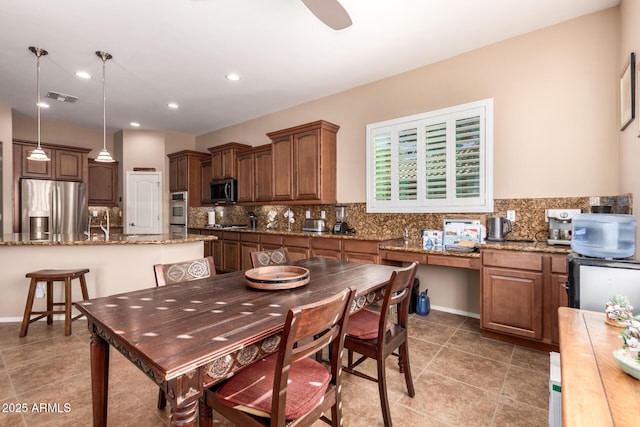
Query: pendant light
(104,155)
(38,153)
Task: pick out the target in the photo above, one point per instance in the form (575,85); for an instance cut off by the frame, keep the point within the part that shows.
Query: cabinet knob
(132,224)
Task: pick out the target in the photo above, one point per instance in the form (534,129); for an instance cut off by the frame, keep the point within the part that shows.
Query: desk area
(595,391)
(187,337)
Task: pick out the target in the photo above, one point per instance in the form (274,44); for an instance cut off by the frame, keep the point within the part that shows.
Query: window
(439,161)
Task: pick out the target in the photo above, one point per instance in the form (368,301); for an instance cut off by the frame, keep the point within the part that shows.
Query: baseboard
(454,311)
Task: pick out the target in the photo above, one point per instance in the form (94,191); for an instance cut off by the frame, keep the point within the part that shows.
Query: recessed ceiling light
(173,105)
(43,104)
(83,74)
(233,77)
(135,124)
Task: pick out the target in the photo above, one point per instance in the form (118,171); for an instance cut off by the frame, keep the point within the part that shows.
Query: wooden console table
(595,391)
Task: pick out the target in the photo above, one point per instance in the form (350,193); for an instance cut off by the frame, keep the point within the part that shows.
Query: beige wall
(554,92)
(628,139)
(7,169)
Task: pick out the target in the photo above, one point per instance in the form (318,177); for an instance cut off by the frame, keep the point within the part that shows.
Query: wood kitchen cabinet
(255,178)
(249,242)
(224,160)
(205,180)
(361,251)
(230,251)
(297,246)
(102,186)
(304,163)
(185,174)
(520,294)
(67,163)
(326,248)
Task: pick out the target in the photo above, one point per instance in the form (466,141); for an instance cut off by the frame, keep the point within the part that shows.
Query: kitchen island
(120,264)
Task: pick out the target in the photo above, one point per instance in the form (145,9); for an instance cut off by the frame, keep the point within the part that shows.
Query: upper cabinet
(67,163)
(304,163)
(103,183)
(255,175)
(224,160)
(185,174)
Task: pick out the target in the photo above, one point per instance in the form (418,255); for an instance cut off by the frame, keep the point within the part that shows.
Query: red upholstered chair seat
(364,325)
(251,390)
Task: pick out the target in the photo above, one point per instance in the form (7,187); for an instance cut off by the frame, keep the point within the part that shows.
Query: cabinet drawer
(454,261)
(559,264)
(292,241)
(404,256)
(250,237)
(511,259)
(329,244)
(230,235)
(271,239)
(361,246)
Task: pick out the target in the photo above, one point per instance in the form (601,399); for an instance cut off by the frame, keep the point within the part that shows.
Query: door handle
(132,224)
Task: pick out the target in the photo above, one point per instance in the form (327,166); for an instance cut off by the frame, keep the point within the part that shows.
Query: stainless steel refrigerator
(52,208)
(592,281)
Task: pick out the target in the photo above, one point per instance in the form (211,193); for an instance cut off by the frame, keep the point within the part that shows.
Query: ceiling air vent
(62,97)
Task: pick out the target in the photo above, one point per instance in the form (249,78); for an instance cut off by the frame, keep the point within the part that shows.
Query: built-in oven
(179,209)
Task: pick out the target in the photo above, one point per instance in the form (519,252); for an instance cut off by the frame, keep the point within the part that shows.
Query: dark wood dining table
(188,336)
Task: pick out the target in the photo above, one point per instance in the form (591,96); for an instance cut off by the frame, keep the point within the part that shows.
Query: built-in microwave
(224,190)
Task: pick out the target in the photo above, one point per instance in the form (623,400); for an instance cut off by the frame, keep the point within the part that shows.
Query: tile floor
(461,379)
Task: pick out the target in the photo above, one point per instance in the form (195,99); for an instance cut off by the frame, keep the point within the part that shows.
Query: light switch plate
(511,216)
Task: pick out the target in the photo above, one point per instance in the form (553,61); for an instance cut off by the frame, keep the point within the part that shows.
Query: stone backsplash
(530,221)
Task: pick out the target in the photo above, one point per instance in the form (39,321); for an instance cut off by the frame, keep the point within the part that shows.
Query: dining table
(189,336)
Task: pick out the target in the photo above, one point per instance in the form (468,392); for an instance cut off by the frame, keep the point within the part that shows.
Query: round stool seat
(51,276)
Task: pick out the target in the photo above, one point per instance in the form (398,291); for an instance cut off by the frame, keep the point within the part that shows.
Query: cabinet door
(282,152)
(246,248)
(246,177)
(205,180)
(69,165)
(263,175)
(35,169)
(173,174)
(228,164)
(103,184)
(306,149)
(511,302)
(216,165)
(182,174)
(230,255)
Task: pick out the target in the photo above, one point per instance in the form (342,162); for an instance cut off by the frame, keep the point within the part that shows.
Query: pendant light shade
(104,155)
(38,153)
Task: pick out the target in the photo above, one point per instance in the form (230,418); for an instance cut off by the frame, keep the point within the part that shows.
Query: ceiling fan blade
(330,12)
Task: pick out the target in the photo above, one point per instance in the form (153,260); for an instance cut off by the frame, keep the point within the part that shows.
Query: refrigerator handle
(56,209)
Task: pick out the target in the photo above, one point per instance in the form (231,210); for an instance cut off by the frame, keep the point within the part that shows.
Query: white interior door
(143,211)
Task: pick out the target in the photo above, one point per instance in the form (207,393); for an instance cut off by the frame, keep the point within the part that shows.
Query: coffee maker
(341,226)
(560,225)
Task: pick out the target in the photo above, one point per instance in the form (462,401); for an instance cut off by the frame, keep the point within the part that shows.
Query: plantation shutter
(435,137)
(382,165)
(408,164)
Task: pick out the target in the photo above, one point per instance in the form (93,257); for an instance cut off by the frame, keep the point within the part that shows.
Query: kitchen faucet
(105,230)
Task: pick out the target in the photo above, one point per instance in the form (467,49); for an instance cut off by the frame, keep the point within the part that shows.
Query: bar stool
(51,276)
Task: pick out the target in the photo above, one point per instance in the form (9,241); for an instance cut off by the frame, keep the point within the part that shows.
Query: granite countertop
(527,246)
(18,239)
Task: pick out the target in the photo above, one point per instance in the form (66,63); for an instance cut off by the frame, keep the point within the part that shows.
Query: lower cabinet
(326,248)
(298,247)
(249,242)
(230,251)
(521,293)
(361,251)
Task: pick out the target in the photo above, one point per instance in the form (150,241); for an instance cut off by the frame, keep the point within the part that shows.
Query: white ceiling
(181,50)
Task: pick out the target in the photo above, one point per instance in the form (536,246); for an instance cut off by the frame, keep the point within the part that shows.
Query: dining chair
(184,271)
(180,272)
(274,257)
(288,387)
(373,336)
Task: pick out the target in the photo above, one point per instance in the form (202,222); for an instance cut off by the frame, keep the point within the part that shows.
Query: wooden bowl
(276,277)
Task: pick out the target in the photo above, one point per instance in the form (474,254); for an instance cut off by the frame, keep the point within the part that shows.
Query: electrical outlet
(511,216)
(307,214)
(594,201)
(323,214)
(94,214)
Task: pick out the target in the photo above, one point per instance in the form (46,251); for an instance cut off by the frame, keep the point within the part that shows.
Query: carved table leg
(186,415)
(99,350)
